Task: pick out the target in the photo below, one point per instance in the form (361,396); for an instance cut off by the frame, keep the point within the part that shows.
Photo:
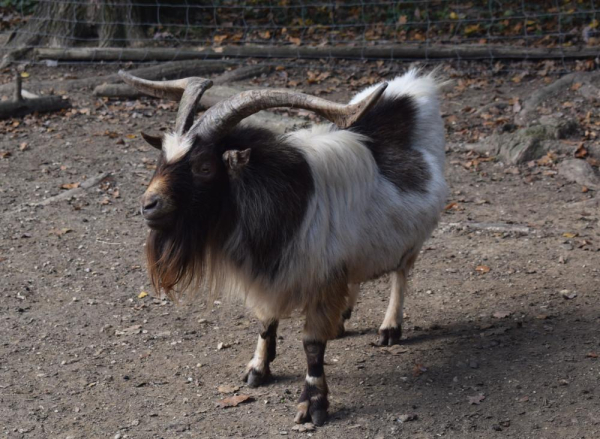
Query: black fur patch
(315,357)
(390,125)
(268,198)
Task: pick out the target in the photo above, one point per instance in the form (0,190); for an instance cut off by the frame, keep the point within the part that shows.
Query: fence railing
(140,30)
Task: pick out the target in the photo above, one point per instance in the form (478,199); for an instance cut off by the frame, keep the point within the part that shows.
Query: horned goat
(296,222)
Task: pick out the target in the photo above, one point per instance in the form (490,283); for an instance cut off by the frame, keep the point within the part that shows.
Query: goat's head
(192,175)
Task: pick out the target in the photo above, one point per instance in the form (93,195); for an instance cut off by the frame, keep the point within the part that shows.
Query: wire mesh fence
(146,30)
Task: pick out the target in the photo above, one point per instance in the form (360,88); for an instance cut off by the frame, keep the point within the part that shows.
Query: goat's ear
(155,141)
(235,160)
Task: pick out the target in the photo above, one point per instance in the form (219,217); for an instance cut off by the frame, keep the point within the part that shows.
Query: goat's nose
(150,205)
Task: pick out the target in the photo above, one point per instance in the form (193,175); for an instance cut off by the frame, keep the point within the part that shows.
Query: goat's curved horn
(187,91)
(225,115)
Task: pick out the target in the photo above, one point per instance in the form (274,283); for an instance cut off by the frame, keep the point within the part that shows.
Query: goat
(296,221)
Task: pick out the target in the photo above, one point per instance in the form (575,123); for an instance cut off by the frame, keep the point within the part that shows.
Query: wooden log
(162,71)
(384,51)
(23,107)
(20,107)
(124,91)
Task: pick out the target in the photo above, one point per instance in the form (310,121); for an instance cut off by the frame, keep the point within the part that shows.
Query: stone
(580,172)
(529,143)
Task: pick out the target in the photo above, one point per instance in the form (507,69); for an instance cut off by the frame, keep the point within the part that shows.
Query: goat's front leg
(322,320)
(353,290)
(258,370)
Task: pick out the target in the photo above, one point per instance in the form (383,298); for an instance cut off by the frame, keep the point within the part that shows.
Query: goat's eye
(204,170)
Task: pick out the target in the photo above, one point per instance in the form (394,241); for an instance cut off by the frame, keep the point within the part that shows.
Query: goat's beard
(176,260)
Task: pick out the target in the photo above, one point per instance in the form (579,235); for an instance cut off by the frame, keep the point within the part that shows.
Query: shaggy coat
(299,221)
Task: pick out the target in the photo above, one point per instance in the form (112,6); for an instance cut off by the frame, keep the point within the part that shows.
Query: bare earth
(509,352)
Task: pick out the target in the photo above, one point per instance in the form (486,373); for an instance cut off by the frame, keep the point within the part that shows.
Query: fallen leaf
(226,388)
(142,295)
(222,346)
(592,355)
(476,399)
(218,39)
(131,136)
(482,269)
(70,185)
(303,428)
(581,152)
(60,232)
(419,369)
(23,146)
(569,235)
(5,154)
(24,75)
(234,401)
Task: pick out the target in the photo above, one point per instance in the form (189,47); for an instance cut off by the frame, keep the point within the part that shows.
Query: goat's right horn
(225,115)
(187,91)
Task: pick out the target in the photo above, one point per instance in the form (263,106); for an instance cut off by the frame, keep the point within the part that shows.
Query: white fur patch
(175,146)
(259,361)
(315,381)
(408,84)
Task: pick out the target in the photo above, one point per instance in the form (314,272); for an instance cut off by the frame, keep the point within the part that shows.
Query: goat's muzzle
(156,210)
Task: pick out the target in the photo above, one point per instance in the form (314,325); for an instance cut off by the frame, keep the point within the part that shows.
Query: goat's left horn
(225,115)
(187,91)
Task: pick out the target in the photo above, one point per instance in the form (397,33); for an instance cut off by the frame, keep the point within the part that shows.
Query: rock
(559,128)
(580,172)
(528,143)
(407,417)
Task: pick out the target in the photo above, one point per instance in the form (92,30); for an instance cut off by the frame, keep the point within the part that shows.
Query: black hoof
(389,336)
(255,379)
(312,411)
(318,416)
(341,331)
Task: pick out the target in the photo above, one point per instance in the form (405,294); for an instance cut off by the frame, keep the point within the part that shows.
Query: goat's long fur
(324,204)
(299,221)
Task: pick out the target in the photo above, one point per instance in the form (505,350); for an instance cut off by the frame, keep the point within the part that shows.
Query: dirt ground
(501,330)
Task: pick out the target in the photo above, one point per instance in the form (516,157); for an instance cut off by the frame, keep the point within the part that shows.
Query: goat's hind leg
(258,370)
(390,331)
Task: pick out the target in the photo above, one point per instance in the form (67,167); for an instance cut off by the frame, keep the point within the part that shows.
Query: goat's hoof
(254,378)
(315,412)
(341,331)
(389,336)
